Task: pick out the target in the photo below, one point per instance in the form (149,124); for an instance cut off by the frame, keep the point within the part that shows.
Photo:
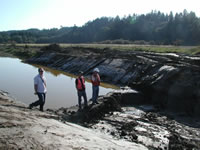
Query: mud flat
(137,123)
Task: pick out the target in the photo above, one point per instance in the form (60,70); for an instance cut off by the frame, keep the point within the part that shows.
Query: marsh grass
(31,49)
(191,50)
(20,51)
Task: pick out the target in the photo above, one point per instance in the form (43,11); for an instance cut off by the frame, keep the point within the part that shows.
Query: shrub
(51,47)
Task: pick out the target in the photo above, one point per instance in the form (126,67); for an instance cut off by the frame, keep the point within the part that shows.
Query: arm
(76,82)
(45,82)
(35,85)
(35,88)
(98,78)
(92,78)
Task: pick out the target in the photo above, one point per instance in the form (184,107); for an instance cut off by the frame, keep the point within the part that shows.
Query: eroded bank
(170,81)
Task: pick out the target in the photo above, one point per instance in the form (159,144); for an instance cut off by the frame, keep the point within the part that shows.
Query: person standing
(80,86)
(40,87)
(95,79)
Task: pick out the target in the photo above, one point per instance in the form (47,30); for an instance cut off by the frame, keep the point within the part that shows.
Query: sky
(46,14)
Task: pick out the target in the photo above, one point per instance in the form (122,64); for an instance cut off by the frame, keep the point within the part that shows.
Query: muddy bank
(137,123)
(171,81)
(25,129)
(107,125)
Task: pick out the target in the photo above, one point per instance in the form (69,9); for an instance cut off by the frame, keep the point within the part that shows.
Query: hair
(80,72)
(40,69)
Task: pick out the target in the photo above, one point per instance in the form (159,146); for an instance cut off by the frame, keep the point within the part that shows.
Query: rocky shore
(170,81)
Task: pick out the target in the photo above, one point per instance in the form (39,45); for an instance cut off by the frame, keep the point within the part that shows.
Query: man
(80,86)
(95,79)
(40,89)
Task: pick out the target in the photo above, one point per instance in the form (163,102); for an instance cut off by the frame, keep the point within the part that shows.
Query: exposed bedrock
(171,81)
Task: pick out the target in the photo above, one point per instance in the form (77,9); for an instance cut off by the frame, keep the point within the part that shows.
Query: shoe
(79,110)
(97,102)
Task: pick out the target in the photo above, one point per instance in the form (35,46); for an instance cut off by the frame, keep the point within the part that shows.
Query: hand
(35,93)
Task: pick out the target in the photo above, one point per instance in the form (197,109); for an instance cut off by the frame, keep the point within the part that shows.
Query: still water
(16,78)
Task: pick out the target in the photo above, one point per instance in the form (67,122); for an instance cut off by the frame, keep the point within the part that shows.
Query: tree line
(151,28)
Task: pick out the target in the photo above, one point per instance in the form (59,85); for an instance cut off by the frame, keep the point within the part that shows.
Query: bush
(51,47)
(141,42)
(117,41)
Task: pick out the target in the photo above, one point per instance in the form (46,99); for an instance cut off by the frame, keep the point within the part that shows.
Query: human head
(96,70)
(40,70)
(80,73)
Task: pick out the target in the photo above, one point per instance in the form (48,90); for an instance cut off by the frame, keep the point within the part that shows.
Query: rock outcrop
(171,81)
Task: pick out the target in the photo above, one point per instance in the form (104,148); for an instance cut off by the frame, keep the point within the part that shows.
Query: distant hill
(152,28)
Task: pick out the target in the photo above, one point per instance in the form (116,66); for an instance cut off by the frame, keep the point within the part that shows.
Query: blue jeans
(80,94)
(41,101)
(95,93)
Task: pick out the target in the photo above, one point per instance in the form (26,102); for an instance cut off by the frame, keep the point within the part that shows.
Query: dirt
(142,124)
(150,129)
(25,129)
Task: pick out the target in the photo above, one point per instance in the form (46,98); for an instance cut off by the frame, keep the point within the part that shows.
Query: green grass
(190,50)
(19,51)
(32,49)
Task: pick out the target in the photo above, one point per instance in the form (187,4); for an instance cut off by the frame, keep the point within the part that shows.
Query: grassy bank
(21,51)
(28,50)
(191,50)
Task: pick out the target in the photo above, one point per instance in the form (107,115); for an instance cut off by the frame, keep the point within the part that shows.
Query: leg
(79,99)
(97,93)
(43,96)
(94,93)
(38,102)
(85,98)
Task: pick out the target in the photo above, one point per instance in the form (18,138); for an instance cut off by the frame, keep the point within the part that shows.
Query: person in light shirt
(40,87)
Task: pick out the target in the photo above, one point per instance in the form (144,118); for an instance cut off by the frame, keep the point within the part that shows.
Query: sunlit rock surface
(171,81)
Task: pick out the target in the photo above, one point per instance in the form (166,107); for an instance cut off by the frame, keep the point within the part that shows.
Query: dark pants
(95,93)
(41,101)
(80,94)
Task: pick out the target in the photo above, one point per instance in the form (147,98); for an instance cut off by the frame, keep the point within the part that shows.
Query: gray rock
(168,80)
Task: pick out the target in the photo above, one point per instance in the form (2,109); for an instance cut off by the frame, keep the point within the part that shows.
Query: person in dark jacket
(80,86)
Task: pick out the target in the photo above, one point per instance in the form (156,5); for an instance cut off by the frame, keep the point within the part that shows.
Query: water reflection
(17,79)
(58,72)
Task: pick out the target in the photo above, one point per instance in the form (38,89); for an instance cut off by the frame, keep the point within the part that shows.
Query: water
(16,78)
